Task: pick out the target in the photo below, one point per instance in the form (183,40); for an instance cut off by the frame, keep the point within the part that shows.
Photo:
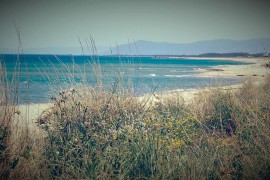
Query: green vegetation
(94,133)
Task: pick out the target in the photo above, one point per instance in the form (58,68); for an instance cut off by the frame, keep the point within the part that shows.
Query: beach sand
(256,71)
(29,114)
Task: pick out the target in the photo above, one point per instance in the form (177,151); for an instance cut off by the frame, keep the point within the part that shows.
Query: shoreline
(31,112)
(256,71)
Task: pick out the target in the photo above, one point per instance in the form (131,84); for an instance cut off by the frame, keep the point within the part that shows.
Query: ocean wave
(178,76)
(197,69)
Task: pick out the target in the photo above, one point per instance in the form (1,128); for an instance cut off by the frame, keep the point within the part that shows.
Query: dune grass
(112,134)
(98,133)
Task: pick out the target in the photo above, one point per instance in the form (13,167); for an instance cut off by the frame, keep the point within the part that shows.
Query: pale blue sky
(52,23)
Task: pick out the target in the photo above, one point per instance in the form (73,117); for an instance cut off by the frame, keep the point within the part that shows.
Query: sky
(58,23)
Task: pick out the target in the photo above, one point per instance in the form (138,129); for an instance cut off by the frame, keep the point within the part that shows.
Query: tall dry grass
(8,109)
(113,134)
(20,149)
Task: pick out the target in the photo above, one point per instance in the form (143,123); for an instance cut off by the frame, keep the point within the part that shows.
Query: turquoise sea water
(44,75)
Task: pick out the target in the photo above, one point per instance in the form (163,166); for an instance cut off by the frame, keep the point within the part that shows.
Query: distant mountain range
(221,46)
(211,47)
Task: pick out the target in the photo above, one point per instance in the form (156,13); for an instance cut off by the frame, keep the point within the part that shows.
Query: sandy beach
(256,71)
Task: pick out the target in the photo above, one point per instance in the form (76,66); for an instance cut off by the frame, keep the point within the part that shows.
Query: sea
(41,76)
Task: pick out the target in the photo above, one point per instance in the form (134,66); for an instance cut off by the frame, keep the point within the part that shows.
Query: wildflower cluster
(173,133)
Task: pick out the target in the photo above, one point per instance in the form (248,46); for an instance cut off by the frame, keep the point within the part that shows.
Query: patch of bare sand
(184,95)
(257,71)
(29,113)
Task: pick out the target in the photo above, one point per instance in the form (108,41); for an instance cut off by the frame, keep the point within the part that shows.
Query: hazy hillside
(142,47)
(201,47)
